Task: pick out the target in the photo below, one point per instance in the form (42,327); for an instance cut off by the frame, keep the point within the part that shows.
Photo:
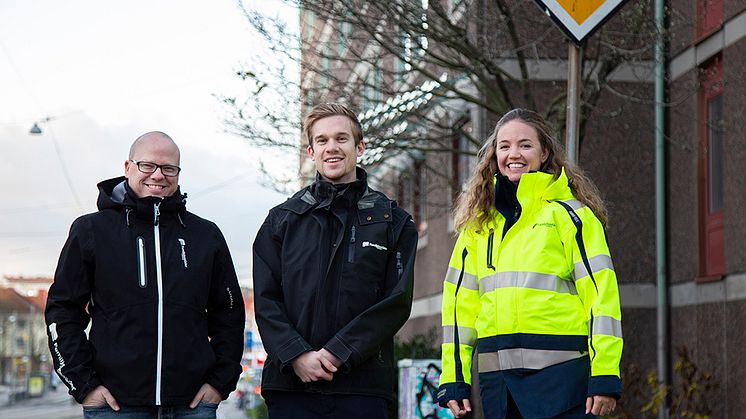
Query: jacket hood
(115,193)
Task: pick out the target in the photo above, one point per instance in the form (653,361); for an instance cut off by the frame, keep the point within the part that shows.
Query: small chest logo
(548,225)
(182,243)
(376,246)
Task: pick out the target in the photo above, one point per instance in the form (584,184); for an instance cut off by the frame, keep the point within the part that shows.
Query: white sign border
(579,32)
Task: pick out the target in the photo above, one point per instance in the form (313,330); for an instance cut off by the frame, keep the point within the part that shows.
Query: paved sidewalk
(58,404)
(53,404)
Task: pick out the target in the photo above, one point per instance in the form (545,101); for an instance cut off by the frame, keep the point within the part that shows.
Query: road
(59,405)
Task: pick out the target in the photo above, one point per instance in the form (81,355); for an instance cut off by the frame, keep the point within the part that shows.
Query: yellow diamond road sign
(579,18)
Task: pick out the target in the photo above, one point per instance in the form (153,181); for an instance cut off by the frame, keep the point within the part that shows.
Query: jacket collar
(532,188)
(540,186)
(116,193)
(322,194)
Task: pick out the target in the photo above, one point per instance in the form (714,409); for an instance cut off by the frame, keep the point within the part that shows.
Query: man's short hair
(325,110)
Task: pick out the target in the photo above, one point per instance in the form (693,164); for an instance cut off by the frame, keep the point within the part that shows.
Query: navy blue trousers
(512,412)
(299,405)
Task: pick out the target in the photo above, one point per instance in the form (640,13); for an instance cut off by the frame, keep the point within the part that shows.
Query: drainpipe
(660,208)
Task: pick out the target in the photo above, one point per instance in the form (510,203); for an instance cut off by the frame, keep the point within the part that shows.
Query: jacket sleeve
(279,335)
(66,316)
(596,284)
(460,310)
(226,319)
(355,343)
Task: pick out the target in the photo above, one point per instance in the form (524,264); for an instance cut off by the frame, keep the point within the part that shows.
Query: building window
(419,195)
(462,163)
(404,195)
(412,193)
(710,169)
(452,5)
(324,72)
(372,89)
(345,30)
(308,26)
(709,17)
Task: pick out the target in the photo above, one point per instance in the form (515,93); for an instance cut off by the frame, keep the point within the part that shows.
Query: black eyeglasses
(166,169)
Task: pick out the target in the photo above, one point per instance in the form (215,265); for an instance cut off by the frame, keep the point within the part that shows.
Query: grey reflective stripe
(469,281)
(598,263)
(308,198)
(533,359)
(533,280)
(574,204)
(466,335)
(605,325)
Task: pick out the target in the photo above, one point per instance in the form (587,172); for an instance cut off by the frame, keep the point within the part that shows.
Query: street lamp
(36,129)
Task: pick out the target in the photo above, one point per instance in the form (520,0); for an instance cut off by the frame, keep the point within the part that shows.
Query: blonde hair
(325,110)
(476,204)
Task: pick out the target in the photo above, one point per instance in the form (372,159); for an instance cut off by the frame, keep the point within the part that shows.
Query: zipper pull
(352,235)
(399,266)
(183,251)
(156,213)
(490,245)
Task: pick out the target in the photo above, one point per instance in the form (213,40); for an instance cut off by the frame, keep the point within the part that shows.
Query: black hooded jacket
(333,268)
(158,284)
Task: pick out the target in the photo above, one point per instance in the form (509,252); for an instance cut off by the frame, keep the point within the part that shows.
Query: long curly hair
(476,203)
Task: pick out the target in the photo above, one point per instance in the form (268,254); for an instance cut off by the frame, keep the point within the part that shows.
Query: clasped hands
(316,365)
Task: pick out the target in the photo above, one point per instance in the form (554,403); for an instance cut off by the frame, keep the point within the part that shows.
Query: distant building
(23,339)
(26,285)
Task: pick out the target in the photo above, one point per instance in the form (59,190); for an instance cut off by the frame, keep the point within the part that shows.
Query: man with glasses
(158,285)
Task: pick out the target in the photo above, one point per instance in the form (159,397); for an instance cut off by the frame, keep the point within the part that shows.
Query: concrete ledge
(733,31)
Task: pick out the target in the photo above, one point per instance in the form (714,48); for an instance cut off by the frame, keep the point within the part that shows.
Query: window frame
(711,225)
(709,16)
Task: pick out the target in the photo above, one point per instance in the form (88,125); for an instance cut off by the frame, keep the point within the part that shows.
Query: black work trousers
(300,405)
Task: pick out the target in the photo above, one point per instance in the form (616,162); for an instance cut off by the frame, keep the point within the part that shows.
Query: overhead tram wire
(65,172)
(31,94)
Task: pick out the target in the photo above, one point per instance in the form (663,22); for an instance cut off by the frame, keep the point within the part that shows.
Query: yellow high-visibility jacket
(538,300)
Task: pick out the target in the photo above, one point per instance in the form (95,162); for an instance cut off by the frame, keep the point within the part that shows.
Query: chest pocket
(369,238)
(369,247)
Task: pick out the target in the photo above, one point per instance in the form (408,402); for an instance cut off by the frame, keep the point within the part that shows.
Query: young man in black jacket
(158,285)
(333,273)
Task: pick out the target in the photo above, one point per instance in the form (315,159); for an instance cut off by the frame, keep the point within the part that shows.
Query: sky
(106,72)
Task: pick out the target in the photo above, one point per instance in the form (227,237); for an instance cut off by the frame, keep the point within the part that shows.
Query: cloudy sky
(106,72)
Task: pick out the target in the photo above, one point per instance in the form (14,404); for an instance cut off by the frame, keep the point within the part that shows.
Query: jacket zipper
(351,249)
(159,277)
(399,267)
(338,242)
(141,266)
(490,244)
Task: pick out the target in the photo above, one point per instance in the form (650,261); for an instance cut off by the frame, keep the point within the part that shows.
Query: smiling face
(333,149)
(518,150)
(154,148)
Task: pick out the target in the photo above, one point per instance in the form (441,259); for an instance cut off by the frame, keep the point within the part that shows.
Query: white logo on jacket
(182,242)
(377,246)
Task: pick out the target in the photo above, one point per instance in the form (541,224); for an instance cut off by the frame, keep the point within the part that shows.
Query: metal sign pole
(572,124)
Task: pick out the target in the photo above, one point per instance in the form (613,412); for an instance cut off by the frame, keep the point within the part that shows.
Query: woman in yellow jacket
(530,285)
